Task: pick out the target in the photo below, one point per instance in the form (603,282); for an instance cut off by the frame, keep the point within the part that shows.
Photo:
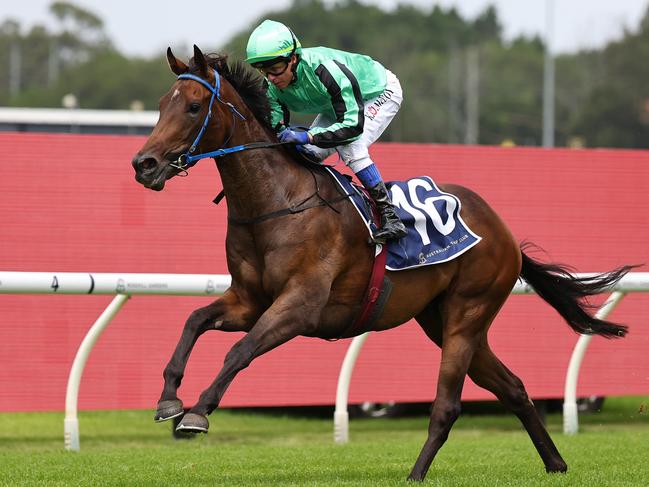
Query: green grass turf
(243,448)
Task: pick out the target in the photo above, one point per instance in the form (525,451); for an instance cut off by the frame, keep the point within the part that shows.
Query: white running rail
(632,282)
(123,286)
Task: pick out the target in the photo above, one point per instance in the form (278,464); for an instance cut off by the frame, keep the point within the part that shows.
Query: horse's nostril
(147,164)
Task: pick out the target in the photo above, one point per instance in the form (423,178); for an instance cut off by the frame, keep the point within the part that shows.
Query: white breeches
(378,113)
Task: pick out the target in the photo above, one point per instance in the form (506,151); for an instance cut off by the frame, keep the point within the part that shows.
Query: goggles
(274,69)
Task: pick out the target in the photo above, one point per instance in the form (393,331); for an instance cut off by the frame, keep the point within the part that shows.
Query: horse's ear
(177,66)
(199,61)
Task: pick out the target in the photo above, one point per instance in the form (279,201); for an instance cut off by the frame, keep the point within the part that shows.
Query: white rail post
(71,422)
(341,415)
(570,412)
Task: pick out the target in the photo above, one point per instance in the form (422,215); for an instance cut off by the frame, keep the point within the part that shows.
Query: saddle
(436,231)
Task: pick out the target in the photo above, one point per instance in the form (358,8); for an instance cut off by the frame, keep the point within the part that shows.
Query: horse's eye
(194,107)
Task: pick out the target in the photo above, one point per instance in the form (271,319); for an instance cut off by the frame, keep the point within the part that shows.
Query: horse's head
(192,104)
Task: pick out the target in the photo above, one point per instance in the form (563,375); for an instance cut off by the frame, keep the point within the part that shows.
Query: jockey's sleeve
(280,116)
(347,104)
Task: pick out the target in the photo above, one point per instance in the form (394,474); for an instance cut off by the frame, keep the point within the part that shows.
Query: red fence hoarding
(70,203)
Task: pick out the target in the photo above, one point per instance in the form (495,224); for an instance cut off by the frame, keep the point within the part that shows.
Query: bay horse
(300,260)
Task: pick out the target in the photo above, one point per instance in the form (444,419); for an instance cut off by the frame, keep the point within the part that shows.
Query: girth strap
(378,292)
(287,211)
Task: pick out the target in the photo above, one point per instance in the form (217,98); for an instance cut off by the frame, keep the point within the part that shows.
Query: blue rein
(189,159)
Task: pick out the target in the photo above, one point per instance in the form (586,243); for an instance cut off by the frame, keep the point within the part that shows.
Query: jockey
(354,97)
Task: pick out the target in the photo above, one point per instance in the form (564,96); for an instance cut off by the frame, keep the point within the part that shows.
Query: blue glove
(294,137)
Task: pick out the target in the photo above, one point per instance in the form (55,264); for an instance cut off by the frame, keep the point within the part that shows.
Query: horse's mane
(246,81)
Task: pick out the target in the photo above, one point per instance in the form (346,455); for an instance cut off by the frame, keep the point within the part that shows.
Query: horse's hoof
(559,467)
(193,423)
(168,410)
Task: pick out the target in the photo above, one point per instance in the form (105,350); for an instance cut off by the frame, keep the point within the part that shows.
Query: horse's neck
(256,181)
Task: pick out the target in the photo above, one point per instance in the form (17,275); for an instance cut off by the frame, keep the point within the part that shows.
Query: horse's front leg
(226,314)
(294,313)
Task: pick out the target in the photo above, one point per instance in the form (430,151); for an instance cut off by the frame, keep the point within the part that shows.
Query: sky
(147,27)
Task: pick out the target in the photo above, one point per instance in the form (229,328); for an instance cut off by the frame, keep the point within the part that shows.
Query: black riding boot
(392,227)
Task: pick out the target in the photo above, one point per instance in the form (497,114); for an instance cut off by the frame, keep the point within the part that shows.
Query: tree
(38,58)
(608,100)
(601,95)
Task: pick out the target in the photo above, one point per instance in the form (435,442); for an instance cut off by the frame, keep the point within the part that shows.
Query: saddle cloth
(436,231)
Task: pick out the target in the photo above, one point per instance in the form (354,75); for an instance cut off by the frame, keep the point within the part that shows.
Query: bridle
(189,159)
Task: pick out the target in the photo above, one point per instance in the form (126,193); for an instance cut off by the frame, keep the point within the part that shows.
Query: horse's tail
(566,293)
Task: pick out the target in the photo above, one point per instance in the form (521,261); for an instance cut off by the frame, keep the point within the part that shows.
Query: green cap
(271,41)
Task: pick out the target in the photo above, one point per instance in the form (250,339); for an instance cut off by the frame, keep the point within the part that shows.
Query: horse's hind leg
(489,373)
(465,322)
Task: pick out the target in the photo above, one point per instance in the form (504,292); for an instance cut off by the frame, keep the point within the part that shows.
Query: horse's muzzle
(149,172)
